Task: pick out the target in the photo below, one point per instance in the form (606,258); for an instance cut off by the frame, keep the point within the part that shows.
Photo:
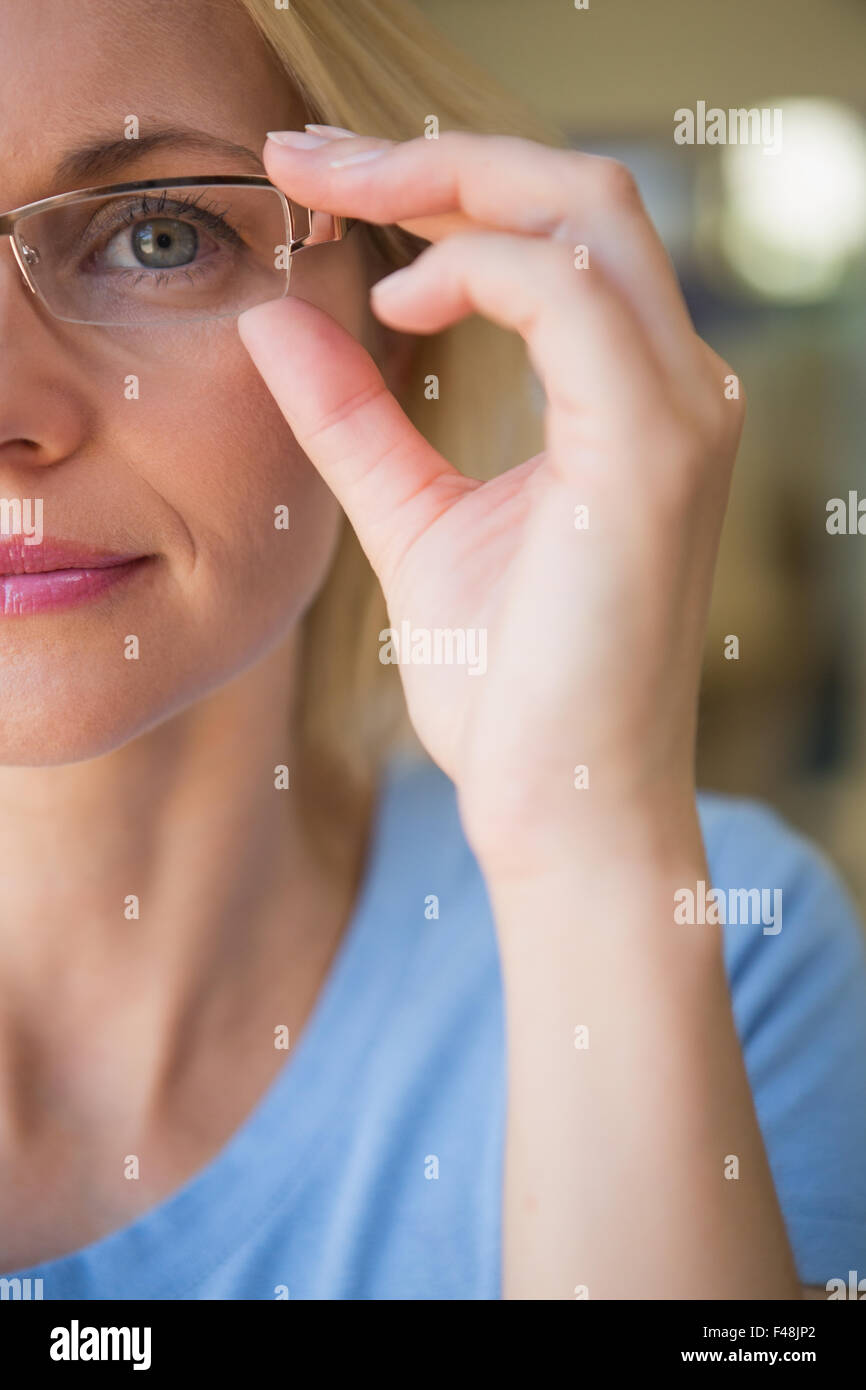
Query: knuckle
(691,461)
(455,142)
(554,260)
(617,185)
(716,398)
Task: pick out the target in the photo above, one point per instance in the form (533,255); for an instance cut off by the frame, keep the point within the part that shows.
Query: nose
(42,415)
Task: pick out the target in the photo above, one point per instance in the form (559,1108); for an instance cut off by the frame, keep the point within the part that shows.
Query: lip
(58,574)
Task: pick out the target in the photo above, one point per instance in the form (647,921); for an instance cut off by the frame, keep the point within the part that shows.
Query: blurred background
(771,251)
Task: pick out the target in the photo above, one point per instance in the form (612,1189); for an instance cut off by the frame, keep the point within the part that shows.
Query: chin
(62,727)
(69,702)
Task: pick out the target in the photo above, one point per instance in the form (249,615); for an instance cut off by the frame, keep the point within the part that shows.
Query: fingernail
(332,132)
(361,158)
(296,139)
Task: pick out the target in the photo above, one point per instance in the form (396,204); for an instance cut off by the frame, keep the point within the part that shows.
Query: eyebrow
(102,157)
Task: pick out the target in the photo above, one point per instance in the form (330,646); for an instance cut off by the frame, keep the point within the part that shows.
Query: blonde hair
(378,67)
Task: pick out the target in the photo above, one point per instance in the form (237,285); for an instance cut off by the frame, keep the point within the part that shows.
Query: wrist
(591,842)
(615,885)
(614,926)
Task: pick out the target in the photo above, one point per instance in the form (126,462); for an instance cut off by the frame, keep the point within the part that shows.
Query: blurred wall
(627,63)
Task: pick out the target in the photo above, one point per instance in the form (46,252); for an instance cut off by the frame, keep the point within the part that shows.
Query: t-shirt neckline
(165,1251)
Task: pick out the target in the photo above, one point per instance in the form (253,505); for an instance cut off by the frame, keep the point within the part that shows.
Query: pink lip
(57,574)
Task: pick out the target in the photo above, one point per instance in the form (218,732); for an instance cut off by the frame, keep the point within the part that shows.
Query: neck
(186,822)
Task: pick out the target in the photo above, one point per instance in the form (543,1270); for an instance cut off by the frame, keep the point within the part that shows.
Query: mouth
(58,574)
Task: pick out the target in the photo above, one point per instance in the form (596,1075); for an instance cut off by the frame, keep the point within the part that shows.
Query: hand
(594,636)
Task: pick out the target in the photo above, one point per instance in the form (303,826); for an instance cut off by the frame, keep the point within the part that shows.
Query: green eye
(162,243)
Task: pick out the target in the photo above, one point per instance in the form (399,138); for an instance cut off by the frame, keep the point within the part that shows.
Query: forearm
(620,1135)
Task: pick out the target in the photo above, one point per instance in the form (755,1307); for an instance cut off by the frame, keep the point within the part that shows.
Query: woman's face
(189,473)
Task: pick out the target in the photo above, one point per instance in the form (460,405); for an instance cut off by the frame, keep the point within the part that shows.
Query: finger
(507,183)
(429,228)
(584,339)
(390,482)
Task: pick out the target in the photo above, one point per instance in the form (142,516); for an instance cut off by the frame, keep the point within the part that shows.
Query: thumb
(390,482)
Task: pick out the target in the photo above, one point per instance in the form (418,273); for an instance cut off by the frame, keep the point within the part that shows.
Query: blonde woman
(284,1011)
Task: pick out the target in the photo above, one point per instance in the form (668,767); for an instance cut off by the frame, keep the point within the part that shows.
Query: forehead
(72,72)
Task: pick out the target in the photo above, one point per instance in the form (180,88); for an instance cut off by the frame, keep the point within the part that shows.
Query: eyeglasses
(164,251)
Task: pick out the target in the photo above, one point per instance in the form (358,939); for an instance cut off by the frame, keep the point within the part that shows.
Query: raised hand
(587,570)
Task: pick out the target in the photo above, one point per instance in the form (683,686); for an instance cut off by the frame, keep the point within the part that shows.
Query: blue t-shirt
(372,1167)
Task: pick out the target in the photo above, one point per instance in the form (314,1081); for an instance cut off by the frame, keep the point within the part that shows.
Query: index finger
(506,183)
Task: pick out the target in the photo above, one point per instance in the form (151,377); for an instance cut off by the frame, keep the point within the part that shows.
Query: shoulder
(799,1002)
(797,979)
(741,833)
(749,846)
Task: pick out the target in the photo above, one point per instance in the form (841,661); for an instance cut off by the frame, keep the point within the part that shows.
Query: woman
(258,980)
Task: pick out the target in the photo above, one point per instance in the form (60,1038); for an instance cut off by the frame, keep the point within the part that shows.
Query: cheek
(202,471)
(196,465)
(259,522)
(258,525)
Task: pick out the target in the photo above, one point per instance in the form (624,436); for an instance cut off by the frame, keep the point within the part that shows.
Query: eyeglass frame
(322,227)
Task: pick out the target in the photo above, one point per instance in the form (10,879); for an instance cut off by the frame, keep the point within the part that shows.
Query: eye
(157,243)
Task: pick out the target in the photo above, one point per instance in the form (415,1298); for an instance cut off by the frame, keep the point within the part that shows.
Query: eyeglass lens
(159,255)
